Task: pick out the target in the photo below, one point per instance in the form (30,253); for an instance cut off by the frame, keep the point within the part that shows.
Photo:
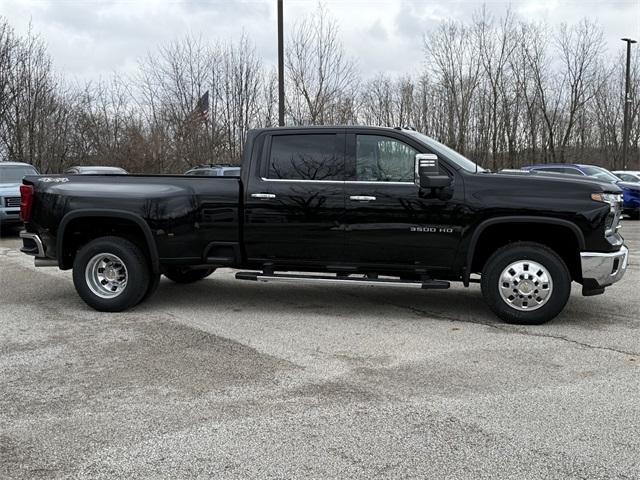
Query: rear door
(294,203)
(391,222)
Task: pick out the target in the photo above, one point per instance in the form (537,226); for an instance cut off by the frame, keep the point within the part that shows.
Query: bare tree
(238,81)
(504,91)
(496,46)
(322,79)
(455,63)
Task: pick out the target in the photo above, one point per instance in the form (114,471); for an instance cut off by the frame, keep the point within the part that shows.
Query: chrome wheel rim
(106,275)
(525,285)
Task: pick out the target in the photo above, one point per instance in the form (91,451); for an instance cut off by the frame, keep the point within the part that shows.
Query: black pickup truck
(337,205)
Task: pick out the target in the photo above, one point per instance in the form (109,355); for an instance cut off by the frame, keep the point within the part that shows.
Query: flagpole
(280,66)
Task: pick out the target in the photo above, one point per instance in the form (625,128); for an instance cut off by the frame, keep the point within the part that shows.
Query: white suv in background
(628,176)
(11,174)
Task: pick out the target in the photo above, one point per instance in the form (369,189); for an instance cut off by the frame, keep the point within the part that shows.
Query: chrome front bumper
(604,269)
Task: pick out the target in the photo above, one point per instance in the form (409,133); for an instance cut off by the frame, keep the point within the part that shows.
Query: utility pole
(281,67)
(627,104)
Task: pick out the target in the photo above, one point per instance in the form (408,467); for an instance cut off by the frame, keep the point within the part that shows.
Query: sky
(89,39)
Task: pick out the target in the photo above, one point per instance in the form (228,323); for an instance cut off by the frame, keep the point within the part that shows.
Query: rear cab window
(316,157)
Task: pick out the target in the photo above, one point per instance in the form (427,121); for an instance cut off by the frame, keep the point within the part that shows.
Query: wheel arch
(485,227)
(107,215)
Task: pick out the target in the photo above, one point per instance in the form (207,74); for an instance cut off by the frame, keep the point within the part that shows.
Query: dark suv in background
(214,171)
(95,170)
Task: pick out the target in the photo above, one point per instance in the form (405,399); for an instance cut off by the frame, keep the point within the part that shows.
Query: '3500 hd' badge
(431,229)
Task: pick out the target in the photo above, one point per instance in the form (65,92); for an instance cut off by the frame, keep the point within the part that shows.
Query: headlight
(610,198)
(612,222)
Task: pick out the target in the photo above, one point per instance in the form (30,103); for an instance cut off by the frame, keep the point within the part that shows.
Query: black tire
(137,274)
(186,275)
(154,282)
(635,215)
(556,269)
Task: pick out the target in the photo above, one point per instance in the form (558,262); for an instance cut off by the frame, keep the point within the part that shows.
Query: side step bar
(276,277)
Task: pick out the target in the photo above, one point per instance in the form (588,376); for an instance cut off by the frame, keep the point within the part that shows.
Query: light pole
(627,105)
(280,67)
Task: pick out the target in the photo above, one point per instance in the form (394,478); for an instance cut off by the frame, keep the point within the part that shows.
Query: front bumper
(600,270)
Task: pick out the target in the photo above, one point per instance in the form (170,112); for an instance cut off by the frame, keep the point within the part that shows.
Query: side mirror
(428,172)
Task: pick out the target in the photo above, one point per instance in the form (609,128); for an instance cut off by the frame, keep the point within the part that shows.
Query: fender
(515,219)
(122,214)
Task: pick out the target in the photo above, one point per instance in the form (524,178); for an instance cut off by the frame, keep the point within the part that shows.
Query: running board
(275,277)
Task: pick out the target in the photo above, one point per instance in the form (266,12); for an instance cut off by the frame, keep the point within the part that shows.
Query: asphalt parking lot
(224,379)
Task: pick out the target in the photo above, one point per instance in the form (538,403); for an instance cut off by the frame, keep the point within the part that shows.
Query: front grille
(12,201)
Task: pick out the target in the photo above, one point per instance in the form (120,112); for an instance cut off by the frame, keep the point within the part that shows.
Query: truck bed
(186,215)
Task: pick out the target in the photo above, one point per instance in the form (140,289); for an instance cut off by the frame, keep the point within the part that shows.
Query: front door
(294,208)
(390,221)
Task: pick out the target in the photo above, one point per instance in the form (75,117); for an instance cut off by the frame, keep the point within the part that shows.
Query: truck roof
(331,127)
(577,165)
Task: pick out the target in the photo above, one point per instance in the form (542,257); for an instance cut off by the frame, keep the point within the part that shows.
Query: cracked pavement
(225,379)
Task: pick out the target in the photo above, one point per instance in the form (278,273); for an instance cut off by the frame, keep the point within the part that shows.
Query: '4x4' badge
(54,179)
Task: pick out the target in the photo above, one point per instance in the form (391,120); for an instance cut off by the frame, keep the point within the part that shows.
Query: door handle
(263,196)
(362,198)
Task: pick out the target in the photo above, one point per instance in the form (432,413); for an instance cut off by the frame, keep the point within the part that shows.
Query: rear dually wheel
(111,274)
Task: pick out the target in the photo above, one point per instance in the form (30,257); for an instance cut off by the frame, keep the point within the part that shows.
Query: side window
(305,157)
(551,169)
(384,159)
(572,171)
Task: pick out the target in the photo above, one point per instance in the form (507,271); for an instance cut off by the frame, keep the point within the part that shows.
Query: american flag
(201,112)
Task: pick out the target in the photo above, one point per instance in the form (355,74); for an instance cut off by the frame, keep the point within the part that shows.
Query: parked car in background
(630,190)
(11,174)
(95,170)
(214,171)
(628,175)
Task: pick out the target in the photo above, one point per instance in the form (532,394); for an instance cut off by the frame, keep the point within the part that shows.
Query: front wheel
(111,274)
(526,283)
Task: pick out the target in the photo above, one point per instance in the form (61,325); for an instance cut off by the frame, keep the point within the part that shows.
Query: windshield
(447,152)
(600,174)
(15,173)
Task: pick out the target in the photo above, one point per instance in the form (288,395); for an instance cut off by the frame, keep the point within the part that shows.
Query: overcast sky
(90,38)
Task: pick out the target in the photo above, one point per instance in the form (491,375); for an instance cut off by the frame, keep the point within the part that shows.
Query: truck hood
(9,189)
(555,179)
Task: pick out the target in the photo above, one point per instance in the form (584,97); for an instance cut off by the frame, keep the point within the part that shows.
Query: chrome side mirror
(427,173)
